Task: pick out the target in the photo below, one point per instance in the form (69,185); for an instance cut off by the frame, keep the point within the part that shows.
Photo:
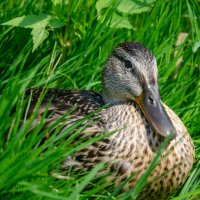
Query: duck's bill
(150,104)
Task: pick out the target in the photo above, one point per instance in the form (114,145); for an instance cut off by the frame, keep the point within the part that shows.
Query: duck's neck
(126,112)
(113,99)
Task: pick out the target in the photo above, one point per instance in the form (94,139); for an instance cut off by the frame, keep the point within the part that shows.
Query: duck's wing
(63,100)
(57,102)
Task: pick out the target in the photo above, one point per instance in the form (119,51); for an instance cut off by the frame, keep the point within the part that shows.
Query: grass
(72,57)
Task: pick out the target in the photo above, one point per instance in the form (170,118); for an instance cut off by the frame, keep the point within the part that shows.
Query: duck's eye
(128,64)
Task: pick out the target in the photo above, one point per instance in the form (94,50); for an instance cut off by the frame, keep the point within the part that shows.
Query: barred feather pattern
(131,149)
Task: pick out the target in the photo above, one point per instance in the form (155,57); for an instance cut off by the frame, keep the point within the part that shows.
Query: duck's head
(131,74)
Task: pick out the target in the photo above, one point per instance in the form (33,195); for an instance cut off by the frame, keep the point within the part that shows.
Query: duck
(131,108)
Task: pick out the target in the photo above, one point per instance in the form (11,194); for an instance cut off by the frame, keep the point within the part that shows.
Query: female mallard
(130,89)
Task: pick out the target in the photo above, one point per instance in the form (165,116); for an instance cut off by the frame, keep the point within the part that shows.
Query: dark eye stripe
(128,63)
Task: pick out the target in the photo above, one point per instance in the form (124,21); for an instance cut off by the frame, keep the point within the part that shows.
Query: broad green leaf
(56,24)
(39,35)
(101,4)
(126,6)
(120,22)
(132,7)
(30,21)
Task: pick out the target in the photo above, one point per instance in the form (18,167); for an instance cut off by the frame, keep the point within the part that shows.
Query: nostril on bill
(151,100)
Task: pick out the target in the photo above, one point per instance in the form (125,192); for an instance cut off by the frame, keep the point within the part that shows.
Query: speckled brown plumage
(132,148)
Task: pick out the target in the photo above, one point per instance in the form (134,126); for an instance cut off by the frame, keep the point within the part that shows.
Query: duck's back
(61,101)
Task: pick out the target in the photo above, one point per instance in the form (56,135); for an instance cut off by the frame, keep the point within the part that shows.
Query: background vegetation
(64,44)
